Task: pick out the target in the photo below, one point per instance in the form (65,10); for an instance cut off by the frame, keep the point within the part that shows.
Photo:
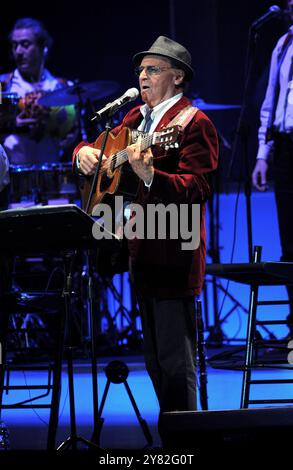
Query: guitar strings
(113,159)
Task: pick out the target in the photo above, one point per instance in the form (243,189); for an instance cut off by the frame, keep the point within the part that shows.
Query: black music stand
(266,273)
(64,228)
(261,273)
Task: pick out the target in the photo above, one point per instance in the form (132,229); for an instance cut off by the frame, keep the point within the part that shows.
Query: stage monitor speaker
(228,429)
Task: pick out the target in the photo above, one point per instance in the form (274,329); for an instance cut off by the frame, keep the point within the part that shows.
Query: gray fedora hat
(172,50)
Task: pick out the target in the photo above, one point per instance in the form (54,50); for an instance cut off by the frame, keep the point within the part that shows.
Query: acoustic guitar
(116,176)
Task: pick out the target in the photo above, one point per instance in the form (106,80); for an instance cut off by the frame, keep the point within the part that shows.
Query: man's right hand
(34,127)
(259,175)
(88,159)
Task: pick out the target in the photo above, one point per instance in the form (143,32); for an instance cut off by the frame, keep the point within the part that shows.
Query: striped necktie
(147,121)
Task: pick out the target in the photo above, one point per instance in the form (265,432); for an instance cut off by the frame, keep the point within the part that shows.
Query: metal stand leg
(117,372)
(73,439)
(57,377)
(96,435)
(201,357)
(250,336)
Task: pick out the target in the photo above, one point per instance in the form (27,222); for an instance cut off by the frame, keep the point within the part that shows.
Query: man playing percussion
(41,134)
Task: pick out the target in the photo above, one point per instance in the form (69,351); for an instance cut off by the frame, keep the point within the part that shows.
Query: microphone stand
(91,317)
(108,127)
(80,112)
(242,132)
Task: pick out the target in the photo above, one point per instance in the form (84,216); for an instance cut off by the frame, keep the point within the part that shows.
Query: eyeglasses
(151,70)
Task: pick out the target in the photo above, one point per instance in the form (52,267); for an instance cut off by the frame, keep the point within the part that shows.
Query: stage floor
(121,430)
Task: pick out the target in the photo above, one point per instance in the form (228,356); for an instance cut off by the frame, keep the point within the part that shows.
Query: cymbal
(204,106)
(79,92)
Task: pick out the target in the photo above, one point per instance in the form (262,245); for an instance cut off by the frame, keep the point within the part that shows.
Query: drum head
(49,183)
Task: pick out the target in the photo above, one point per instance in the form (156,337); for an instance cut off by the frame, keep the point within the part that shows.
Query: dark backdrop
(96,40)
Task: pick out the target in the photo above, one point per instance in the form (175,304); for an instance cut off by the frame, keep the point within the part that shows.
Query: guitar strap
(183,118)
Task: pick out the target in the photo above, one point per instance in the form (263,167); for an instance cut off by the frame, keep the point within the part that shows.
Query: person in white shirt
(276,143)
(37,137)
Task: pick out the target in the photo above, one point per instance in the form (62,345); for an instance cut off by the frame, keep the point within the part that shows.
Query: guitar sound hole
(105,182)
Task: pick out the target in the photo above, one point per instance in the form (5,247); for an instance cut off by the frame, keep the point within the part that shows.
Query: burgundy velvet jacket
(161,268)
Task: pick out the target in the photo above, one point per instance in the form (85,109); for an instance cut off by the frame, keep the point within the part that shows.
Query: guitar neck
(121,157)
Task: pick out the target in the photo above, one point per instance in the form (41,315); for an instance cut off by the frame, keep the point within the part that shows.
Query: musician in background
(276,143)
(167,278)
(41,134)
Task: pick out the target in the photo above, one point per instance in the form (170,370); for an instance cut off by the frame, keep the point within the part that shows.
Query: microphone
(130,95)
(273,11)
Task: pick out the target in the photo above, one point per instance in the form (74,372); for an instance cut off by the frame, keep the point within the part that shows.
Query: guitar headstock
(167,137)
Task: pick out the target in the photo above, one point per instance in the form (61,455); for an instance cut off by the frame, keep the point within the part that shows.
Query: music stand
(64,228)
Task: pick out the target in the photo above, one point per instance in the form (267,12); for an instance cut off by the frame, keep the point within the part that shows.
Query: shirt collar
(161,106)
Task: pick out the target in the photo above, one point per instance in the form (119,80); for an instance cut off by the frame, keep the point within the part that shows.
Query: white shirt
(156,115)
(18,85)
(283,121)
(158,111)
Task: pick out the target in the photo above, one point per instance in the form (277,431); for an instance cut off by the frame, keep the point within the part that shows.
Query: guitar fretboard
(121,157)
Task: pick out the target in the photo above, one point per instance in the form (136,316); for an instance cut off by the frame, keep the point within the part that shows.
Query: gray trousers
(169,334)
